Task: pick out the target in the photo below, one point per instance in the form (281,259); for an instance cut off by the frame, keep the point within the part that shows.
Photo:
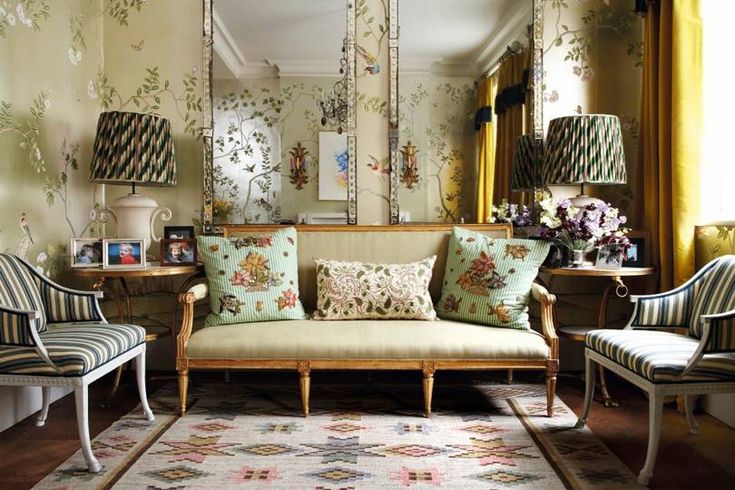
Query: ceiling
(305,37)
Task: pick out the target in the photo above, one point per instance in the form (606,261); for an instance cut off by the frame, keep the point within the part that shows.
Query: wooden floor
(28,453)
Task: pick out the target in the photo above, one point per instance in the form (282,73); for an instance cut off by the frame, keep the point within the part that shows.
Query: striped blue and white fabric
(659,356)
(63,306)
(75,348)
(18,291)
(716,294)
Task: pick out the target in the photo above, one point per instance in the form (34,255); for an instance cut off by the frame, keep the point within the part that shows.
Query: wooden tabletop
(595,272)
(154,269)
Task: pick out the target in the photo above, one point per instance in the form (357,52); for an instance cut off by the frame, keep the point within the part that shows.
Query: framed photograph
(333,160)
(636,256)
(86,252)
(178,232)
(610,257)
(179,252)
(120,253)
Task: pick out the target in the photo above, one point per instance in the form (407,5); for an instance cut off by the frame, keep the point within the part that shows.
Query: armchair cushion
(716,293)
(18,290)
(75,348)
(659,356)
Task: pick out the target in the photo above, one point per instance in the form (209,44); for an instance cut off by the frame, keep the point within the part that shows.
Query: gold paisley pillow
(357,291)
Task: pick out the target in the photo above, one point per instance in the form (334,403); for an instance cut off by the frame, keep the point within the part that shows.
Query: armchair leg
(46,395)
(689,409)
(550,392)
(589,380)
(183,389)
(140,377)
(80,400)
(655,409)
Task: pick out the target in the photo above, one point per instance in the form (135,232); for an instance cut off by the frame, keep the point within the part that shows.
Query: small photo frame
(123,253)
(178,232)
(635,257)
(86,252)
(610,257)
(179,252)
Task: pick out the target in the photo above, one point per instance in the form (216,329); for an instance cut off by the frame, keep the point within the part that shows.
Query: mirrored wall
(282,111)
(465,95)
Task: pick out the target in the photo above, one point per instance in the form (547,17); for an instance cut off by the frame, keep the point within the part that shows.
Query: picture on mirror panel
(333,161)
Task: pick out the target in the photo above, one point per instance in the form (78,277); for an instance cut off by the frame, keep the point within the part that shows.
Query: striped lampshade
(586,149)
(133,148)
(526,172)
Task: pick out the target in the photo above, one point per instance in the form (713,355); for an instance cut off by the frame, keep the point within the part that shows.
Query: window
(718,136)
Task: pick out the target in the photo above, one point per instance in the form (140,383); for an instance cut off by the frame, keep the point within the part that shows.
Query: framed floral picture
(333,159)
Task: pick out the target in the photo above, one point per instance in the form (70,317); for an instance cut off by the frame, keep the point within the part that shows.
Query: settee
(426,346)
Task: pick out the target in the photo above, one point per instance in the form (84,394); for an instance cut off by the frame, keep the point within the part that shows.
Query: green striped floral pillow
(252,278)
(488,281)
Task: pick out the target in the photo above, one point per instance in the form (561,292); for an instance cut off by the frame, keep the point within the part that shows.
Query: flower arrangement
(505,212)
(580,229)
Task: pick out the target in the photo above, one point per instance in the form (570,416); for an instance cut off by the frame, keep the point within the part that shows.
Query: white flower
(75,56)
(42,257)
(194,70)
(3,12)
(38,154)
(22,16)
(11,19)
(91,92)
(40,270)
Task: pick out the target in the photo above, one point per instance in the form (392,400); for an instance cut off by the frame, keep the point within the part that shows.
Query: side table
(124,302)
(578,332)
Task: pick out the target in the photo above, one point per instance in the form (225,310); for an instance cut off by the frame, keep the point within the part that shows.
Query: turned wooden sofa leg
(428,369)
(305,385)
(551,371)
(183,389)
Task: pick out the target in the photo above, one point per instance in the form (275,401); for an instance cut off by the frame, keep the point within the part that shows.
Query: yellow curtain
(671,117)
(510,122)
(486,90)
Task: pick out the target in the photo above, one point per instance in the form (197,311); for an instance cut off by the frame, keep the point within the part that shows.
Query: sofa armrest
(547,300)
(187,300)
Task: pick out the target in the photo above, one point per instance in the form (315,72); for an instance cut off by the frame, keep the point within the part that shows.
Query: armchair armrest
(719,332)
(69,305)
(17,327)
(718,335)
(547,300)
(665,310)
(187,300)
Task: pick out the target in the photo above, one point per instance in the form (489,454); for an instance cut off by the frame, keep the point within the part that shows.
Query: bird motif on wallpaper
(378,166)
(139,46)
(25,242)
(373,67)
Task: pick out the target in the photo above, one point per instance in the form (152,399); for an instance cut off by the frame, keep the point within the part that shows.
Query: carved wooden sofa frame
(428,367)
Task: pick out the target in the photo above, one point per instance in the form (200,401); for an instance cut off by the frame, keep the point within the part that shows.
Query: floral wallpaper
(436,116)
(593,50)
(713,241)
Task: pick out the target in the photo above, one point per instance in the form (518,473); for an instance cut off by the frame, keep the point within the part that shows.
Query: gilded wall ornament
(409,165)
(299,176)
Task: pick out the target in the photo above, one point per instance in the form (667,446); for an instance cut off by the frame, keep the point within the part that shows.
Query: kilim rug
(357,437)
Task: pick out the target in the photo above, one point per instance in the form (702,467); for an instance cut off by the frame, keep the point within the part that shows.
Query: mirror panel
(281,112)
(444,52)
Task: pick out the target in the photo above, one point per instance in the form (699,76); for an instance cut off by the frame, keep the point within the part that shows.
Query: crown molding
(513,29)
(227,48)
(306,67)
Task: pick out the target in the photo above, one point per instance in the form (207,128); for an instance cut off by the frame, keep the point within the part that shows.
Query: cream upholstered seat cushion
(364,339)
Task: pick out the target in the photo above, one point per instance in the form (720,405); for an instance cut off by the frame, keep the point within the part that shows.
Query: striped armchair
(54,336)
(665,363)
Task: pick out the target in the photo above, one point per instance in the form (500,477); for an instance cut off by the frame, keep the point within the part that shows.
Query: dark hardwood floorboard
(28,453)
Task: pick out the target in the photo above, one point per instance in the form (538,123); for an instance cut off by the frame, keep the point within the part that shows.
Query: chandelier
(334,106)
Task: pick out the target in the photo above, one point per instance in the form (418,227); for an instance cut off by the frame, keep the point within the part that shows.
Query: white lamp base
(135,215)
(583,200)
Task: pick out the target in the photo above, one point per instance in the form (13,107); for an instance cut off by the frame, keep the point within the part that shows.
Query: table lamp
(135,149)
(584,149)
(526,172)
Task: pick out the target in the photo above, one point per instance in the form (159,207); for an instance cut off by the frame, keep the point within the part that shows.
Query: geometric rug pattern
(246,436)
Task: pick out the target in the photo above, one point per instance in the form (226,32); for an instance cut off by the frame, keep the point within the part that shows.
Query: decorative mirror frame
(208,225)
(537,106)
